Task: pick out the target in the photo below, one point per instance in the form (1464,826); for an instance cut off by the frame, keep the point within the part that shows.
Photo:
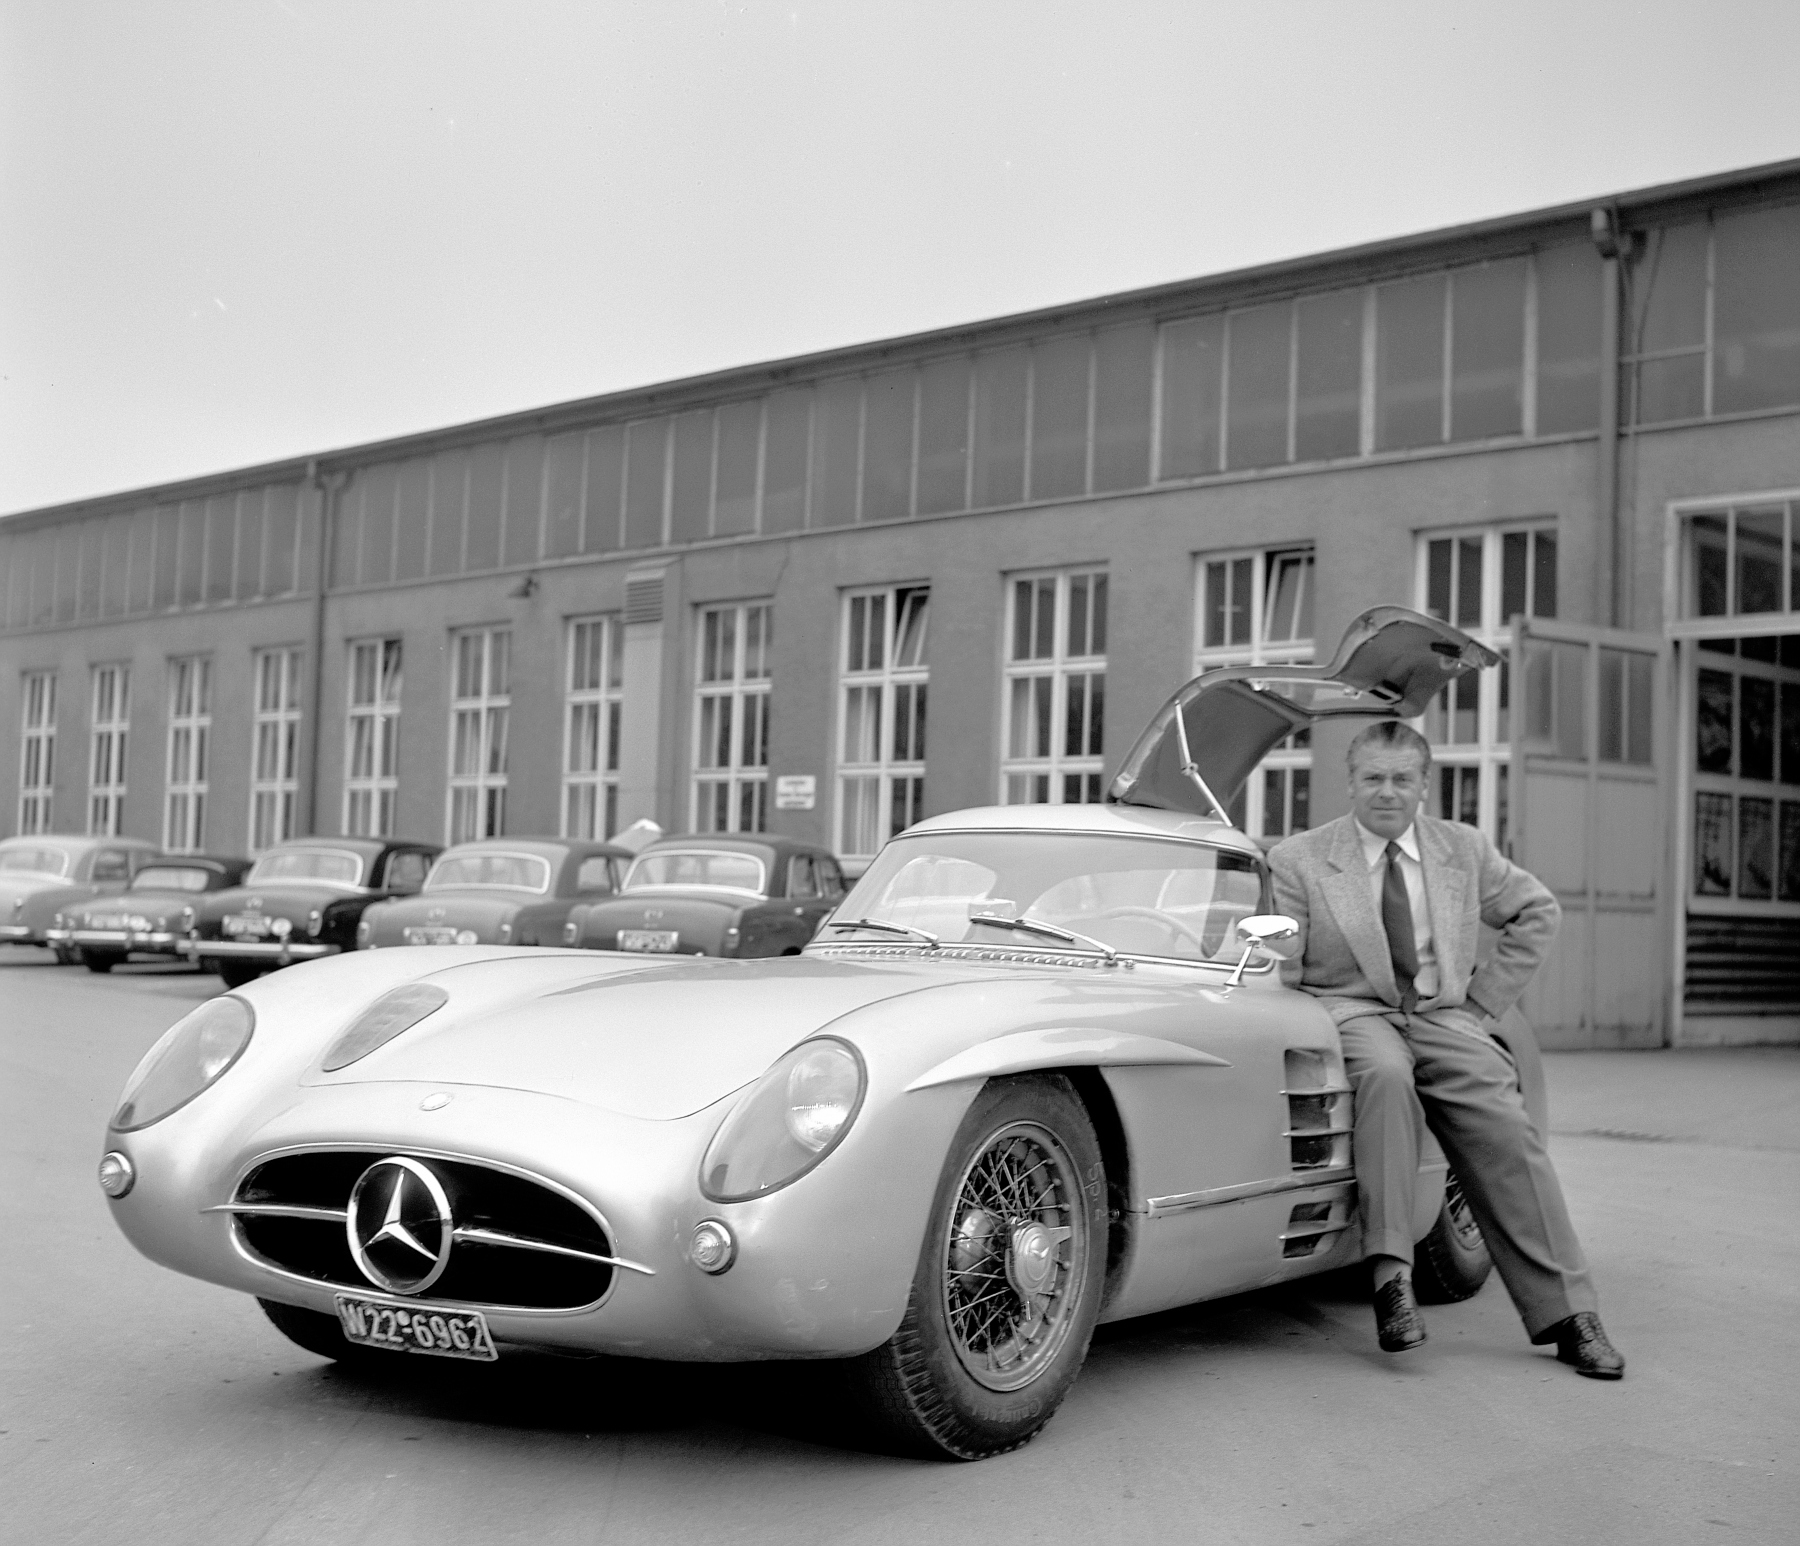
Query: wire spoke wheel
(1016,1246)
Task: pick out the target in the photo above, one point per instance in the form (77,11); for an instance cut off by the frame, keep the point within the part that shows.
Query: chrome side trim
(1316,1132)
(1186,1202)
(524,1243)
(282,1210)
(1314,1231)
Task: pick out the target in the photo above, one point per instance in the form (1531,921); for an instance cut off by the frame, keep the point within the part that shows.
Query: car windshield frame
(139,882)
(1107,889)
(432,883)
(631,884)
(258,876)
(60,855)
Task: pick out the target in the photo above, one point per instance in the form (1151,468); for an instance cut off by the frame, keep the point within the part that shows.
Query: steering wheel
(1149,914)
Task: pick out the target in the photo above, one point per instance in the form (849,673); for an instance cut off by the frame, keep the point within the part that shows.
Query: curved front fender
(1062,1047)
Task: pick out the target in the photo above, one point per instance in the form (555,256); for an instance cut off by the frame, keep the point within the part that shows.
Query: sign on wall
(795,792)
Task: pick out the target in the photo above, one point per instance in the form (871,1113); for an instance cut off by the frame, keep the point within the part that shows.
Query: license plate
(648,939)
(106,921)
(246,923)
(442,1333)
(430,936)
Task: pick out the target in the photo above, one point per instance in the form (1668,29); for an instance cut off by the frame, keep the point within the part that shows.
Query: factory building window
(1256,608)
(731,718)
(882,682)
(1055,689)
(275,756)
(594,694)
(372,738)
(1478,580)
(481,705)
(106,759)
(37,751)
(190,734)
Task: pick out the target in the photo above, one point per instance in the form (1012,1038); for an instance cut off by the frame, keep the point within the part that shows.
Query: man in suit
(1390,903)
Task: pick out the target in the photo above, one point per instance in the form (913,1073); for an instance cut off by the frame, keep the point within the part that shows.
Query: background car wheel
(1007,1289)
(315,1332)
(1451,1262)
(235,974)
(66,955)
(100,960)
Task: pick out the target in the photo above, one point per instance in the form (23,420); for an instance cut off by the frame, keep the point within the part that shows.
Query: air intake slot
(1318,1098)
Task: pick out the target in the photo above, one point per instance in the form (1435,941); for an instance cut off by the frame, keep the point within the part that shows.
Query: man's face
(1386,785)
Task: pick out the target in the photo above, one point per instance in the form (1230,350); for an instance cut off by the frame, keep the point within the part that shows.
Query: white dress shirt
(1374,846)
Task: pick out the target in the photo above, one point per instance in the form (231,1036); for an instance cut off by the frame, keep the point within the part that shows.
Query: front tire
(66,955)
(315,1332)
(101,960)
(1008,1285)
(1452,1262)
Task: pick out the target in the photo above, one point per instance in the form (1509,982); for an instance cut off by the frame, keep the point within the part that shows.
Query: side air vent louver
(1318,1097)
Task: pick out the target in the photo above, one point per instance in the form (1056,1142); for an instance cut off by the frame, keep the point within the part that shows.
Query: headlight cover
(397,1010)
(193,1055)
(797,1113)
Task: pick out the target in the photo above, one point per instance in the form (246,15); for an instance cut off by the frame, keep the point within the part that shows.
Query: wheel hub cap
(1031,1259)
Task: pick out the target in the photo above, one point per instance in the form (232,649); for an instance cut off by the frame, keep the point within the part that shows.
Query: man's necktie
(1396,918)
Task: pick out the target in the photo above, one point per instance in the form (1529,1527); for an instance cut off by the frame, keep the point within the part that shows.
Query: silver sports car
(1037,1072)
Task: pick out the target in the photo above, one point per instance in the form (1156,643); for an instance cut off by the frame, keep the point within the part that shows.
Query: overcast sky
(236,230)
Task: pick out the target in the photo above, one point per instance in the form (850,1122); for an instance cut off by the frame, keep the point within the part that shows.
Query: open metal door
(1587,815)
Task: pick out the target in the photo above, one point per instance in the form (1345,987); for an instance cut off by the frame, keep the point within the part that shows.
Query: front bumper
(159,940)
(21,932)
(276,951)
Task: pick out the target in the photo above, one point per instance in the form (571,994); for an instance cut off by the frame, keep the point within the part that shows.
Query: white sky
(236,230)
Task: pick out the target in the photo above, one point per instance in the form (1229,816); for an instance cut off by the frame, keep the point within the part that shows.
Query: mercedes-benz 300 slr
(1038,1071)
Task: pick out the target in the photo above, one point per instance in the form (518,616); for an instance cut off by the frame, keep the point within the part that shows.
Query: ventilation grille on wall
(644,599)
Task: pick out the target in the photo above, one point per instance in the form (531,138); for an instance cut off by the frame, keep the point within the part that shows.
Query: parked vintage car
(302,900)
(716,895)
(1038,1072)
(150,917)
(42,874)
(498,891)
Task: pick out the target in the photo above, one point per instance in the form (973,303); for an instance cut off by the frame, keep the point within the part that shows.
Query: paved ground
(140,1407)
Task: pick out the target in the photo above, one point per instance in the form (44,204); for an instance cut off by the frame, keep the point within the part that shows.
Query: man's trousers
(1410,1072)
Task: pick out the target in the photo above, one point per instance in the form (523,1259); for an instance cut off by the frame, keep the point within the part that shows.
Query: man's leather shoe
(1581,1341)
(1397,1318)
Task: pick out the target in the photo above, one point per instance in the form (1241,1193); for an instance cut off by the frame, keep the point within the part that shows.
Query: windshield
(328,864)
(1143,896)
(34,861)
(170,877)
(696,867)
(503,872)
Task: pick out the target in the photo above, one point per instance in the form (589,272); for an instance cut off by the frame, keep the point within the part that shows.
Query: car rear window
(32,860)
(696,867)
(596,874)
(170,877)
(501,871)
(334,865)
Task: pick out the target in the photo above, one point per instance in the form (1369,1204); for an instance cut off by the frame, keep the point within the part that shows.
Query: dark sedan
(498,891)
(715,895)
(150,917)
(302,900)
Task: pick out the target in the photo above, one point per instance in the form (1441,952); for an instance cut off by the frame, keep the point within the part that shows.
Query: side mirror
(1271,934)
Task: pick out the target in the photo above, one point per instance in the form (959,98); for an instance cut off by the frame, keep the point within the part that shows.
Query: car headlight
(571,932)
(506,933)
(797,1113)
(193,1055)
(281,927)
(137,921)
(365,932)
(315,920)
(469,937)
(61,922)
(397,1010)
(187,918)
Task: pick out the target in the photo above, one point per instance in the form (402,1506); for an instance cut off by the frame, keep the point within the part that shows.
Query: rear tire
(1018,1225)
(234,974)
(1452,1262)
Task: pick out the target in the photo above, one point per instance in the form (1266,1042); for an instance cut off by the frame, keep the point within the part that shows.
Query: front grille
(517,1272)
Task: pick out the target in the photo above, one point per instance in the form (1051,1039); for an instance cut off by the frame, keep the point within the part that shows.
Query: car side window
(803,879)
(597,874)
(406,871)
(111,864)
(831,879)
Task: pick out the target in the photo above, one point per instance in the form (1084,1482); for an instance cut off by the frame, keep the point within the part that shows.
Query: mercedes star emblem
(399,1225)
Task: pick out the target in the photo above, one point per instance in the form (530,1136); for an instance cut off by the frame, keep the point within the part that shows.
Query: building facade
(830,595)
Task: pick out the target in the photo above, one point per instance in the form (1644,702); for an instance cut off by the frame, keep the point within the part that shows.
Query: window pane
(1290,598)
(734,498)
(1788,883)
(601,530)
(1712,722)
(1122,392)
(1059,417)
(836,462)
(1790,732)
(1257,388)
(1440,557)
(1000,427)
(1487,342)
(1409,363)
(1756,848)
(1568,339)
(1708,536)
(1543,574)
(1758,548)
(1328,390)
(785,460)
(888,446)
(1756,728)
(646,447)
(1514,573)
(943,436)
(1672,388)
(1756,311)
(1669,282)
(1191,363)
(690,499)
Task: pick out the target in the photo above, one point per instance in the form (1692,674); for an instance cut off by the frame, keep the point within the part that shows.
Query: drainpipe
(327,484)
(1611,590)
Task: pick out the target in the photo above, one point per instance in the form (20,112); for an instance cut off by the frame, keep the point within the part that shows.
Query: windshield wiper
(1048,930)
(890,928)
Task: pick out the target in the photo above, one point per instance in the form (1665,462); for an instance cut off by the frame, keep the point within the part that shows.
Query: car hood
(1197,751)
(149,903)
(659,1040)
